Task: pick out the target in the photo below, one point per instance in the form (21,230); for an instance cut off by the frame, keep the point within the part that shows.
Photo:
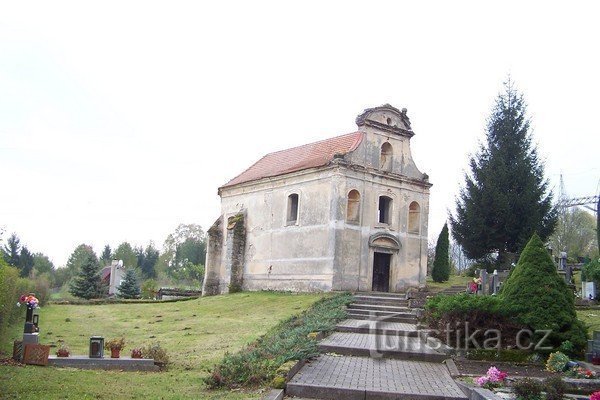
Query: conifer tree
(11,250)
(505,198)
(129,288)
(537,296)
(441,263)
(106,256)
(88,283)
(25,262)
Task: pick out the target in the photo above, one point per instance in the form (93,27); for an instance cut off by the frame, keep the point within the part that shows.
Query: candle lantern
(96,347)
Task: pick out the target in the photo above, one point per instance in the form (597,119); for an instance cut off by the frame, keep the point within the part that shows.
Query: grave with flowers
(30,351)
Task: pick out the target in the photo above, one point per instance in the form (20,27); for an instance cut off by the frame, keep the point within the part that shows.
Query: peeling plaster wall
(213,283)
(279,255)
(322,251)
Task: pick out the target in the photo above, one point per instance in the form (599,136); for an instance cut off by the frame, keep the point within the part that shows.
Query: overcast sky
(119,120)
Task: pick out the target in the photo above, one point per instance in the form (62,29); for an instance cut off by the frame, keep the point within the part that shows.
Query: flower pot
(115,353)
(135,353)
(62,354)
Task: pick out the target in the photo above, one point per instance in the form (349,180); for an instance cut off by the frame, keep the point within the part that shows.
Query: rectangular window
(385,209)
(292,209)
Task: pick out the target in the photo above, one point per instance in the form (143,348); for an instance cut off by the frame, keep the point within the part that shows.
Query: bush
(557,362)
(591,271)
(528,389)
(149,289)
(555,388)
(540,298)
(259,361)
(11,288)
(460,311)
(500,355)
(157,353)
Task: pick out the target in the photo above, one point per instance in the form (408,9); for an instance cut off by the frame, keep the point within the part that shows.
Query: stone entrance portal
(381,272)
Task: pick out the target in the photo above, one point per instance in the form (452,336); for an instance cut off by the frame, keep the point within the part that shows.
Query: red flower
(23,298)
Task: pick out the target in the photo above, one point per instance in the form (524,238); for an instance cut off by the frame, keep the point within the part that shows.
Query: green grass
(291,340)
(591,318)
(454,280)
(196,333)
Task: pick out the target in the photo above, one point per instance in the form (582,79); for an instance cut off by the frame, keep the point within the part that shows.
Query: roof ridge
(297,158)
(309,144)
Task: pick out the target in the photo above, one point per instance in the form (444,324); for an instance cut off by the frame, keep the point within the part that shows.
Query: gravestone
(593,351)
(588,290)
(482,287)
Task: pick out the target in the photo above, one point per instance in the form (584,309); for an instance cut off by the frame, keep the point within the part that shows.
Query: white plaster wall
(280,256)
(322,251)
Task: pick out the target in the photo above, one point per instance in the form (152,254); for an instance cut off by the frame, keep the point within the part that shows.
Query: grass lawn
(591,318)
(196,333)
(454,280)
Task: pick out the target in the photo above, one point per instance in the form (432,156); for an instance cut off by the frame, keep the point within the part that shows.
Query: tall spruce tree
(25,262)
(505,198)
(149,261)
(11,250)
(88,284)
(129,288)
(106,256)
(441,263)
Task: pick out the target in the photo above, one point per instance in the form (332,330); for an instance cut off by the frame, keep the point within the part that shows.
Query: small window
(353,207)
(414,218)
(387,153)
(385,210)
(292,208)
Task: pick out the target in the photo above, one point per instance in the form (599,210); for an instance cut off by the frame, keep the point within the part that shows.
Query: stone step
(378,327)
(389,302)
(377,313)
(378,307)
(360,378)
(412,319)
(372,345)
(380,295)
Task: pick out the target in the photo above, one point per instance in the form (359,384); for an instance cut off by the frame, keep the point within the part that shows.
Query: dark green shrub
(555,388)
(591,271)
(500,355)
(528,389)
(289,340)
(540,299)
(441,263)
(450,316)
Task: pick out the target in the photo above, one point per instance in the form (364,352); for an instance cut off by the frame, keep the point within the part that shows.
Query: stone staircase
(455,289)
(377,353)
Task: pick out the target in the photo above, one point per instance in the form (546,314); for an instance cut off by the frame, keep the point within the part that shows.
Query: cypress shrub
(441,263)
(540,299)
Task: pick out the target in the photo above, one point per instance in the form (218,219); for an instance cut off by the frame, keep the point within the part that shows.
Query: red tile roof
(310,155)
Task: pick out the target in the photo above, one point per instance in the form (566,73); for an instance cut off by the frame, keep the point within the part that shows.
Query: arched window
(385,210)
(353,207)
(414,218)
(292,208)
(387,154)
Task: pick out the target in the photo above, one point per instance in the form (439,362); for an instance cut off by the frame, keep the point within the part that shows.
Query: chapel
(345,213)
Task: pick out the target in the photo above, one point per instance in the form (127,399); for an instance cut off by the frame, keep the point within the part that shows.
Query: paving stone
(377,327)
(373,345)
(343,377)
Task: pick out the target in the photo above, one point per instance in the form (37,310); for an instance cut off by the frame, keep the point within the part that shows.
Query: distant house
(346,213)
(112,275)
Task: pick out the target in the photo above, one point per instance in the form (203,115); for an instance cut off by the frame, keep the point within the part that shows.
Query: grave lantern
(96,347)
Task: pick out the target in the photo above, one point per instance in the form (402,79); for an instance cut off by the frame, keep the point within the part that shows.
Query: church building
(346,213)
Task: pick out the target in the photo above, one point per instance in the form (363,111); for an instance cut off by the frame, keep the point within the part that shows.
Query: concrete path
(376,354)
